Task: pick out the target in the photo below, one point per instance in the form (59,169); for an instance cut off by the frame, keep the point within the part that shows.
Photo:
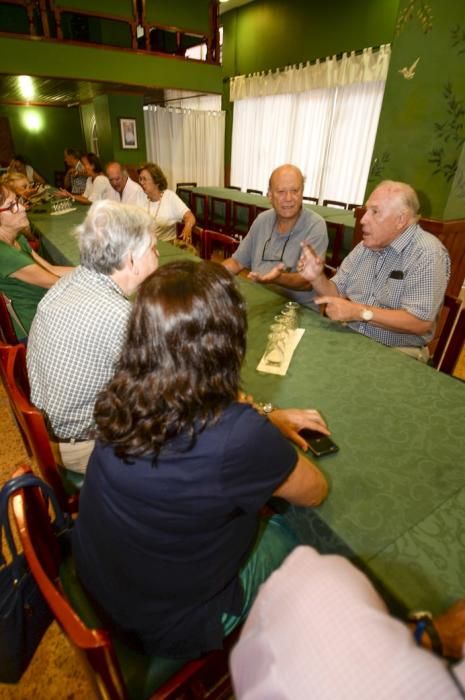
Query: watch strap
(424,624)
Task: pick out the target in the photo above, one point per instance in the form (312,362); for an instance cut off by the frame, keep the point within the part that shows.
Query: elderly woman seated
(169,541)
(24,275)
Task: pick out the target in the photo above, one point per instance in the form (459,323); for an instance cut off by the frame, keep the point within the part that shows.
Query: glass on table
(274,351)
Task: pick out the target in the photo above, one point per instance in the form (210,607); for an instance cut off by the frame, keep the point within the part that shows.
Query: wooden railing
(83,22)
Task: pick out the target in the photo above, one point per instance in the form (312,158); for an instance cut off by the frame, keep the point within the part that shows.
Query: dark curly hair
(180,367)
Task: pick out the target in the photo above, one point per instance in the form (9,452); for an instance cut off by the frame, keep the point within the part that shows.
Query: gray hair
(110,232)
(405,194)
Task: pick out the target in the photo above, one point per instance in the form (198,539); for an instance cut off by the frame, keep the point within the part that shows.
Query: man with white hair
(391,286)
(80,325)
(125,190)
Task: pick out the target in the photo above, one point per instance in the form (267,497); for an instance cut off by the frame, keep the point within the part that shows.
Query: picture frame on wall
(128,128)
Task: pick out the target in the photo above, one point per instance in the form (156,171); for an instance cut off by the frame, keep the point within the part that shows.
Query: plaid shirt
(75,341)
(410,274)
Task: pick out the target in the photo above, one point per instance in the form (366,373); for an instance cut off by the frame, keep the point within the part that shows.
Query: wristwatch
(264,408)
(366,314)
(423,621)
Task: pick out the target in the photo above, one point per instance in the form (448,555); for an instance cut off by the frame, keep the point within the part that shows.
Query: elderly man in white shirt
(125,190)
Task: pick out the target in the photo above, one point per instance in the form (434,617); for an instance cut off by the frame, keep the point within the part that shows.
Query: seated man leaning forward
(391,286)
(271,249)
(79,330)
(125,190)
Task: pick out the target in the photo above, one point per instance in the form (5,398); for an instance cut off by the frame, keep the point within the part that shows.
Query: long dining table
(397,485)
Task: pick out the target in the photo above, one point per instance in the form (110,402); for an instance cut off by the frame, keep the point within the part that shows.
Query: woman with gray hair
(78,332)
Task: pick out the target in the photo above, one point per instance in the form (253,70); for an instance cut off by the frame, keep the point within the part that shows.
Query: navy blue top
(159,545)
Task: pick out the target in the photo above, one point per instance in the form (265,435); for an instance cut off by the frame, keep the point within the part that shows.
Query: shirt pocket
(390,295)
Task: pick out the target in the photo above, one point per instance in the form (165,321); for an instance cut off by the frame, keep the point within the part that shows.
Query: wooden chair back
(217,240)
(444,326)
(7,329)
(334,203)
(455,345)
(32,424)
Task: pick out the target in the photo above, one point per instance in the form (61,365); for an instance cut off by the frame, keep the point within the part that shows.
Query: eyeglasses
(271,256)
(13,207)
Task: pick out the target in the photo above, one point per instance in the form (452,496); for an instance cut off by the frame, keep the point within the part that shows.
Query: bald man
(125,190)
(271,249)
(391,286)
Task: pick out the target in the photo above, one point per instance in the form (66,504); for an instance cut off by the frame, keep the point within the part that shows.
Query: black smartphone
(318,443)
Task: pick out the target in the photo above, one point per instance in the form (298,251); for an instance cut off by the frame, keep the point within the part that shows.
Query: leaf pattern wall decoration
(377,166)
(419,10)
(451,136)
(458,38)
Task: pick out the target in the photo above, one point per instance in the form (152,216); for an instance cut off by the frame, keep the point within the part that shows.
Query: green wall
(421,132)
(58,128)
(275,33)
(130,106)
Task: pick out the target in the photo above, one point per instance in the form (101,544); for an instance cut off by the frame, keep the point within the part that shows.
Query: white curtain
(328,131)
(187,144)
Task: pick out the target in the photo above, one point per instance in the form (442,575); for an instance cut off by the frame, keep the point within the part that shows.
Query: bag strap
(11,486)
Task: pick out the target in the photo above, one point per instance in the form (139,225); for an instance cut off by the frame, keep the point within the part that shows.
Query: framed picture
(128,129)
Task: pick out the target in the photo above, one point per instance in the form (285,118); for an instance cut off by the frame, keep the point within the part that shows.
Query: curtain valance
(351,68)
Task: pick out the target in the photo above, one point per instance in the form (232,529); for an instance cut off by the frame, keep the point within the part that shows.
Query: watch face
(367,315)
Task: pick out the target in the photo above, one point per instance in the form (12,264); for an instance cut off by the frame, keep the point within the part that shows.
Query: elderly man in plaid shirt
(80,325)
(391,286)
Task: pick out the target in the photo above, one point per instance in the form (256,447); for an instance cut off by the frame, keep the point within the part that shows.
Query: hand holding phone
(318,443)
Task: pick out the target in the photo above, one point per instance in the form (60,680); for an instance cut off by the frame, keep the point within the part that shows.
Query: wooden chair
(219,216)
(334,203)
(185,184)
(336,239)
(115,670)
(352,206)
(233,187)
(200,208)
(259,210)
(197,238)
(227,244)
(312,200)
(7,329)
(241,218)
(33,428)
(250,191)
(445,324)
(455,345)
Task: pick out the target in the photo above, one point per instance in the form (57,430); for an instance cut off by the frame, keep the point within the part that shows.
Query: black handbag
(24,614)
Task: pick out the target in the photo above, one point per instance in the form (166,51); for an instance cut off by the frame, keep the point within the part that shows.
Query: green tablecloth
(400,428)
(397,500)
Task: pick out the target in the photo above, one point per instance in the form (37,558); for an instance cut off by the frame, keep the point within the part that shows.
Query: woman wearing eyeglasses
(24,275)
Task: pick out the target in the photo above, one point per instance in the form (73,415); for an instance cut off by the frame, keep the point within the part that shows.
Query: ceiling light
(26,86)
(32,120)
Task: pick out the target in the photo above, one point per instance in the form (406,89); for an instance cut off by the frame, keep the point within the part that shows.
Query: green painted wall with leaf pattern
(421,133)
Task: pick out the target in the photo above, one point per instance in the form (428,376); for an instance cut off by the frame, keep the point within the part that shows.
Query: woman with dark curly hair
(169,541)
